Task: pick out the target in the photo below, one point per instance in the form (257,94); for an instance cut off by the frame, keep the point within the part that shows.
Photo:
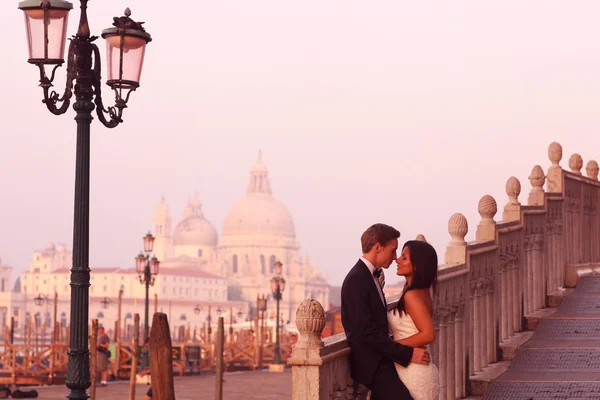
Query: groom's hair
(378,233)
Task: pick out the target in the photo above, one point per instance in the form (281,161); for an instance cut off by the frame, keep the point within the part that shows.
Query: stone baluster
(475,324)
(483,326)
(451,356)
(527,276)
(305,358)
(460,359)
(554,182)
(537,179)
(456,251)
(505,317)
(518,291)
(491,339)
(538,272)
(443,352)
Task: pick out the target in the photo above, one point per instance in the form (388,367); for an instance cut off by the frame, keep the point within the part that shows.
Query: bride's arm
(418,311)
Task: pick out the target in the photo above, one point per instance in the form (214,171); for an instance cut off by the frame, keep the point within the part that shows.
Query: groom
(364,316)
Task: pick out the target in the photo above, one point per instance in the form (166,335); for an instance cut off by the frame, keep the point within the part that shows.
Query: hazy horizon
(399,112)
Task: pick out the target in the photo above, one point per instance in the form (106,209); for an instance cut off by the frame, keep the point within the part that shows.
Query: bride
(411,321)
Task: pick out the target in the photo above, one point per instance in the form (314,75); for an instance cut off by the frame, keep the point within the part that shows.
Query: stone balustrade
(486,288)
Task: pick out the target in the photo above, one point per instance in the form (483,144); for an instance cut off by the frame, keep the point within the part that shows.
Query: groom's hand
(421,356)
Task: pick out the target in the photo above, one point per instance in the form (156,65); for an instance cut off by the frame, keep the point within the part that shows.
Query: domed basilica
(257,232)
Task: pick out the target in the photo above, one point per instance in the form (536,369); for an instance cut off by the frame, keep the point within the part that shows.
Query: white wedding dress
(422,381)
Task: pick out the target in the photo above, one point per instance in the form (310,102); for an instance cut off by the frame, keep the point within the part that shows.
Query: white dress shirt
(377,285)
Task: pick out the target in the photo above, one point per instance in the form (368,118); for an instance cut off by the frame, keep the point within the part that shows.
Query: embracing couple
(389,349)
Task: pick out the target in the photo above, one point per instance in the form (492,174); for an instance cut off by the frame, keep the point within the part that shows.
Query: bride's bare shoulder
(417,297)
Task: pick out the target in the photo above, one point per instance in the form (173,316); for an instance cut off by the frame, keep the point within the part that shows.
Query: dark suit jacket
(366,325)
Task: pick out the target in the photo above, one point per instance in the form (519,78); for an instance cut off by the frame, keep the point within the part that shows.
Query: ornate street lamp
(197,309)
(277,287)
(40,299)
(46,24)
(105,303)
(147,269)
(219,311)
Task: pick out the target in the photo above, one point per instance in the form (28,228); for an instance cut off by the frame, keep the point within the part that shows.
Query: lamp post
(277,287)
(197,309)
(46,23)
(147,269)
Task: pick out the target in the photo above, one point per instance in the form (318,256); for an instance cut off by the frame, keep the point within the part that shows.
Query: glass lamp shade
(148,242)
(274,283)
(154,263)
(39,300)
(125,50)
(46,24)
(197,310)
(281,285)
(140,263)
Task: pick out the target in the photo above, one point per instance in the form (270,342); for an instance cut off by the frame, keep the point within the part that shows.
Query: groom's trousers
(387,385)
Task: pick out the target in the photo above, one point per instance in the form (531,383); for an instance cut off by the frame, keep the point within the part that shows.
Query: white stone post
(554,183)
(527,278)
(305,358)
(486,230)
(576,163)
(512,209)
(537,179)
(518,290)
(456,251)
(505,298)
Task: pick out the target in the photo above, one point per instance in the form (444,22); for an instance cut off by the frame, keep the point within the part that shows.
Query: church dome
(194,229)
(259,212)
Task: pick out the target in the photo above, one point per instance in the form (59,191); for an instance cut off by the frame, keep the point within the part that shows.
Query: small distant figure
(103,355)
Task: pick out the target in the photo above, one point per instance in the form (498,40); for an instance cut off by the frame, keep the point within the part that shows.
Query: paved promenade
(561,361)
(238,385)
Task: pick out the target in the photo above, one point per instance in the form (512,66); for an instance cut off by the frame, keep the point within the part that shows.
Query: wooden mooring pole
(94,358)
(161,359)
(134,355)
(220,367)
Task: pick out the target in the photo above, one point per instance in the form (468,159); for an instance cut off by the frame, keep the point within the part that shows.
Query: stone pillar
(512,209)
(554,183)
(456,251)
(486,230)
(537,179)
(451,357)
(305,358)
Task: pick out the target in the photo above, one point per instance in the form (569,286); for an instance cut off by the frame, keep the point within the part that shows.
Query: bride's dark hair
(425,265)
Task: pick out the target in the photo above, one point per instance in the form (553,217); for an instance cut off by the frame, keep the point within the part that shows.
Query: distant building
(198,268)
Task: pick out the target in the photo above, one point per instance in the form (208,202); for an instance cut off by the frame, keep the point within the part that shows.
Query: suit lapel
(367,272)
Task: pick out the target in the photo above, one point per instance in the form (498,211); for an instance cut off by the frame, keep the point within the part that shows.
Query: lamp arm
(51,98)
(114,112)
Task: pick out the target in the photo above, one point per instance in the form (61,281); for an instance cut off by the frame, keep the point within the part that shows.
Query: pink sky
(397,111)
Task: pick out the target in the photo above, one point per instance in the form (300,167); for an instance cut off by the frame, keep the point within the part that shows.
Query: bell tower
(162,231)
